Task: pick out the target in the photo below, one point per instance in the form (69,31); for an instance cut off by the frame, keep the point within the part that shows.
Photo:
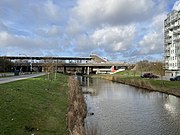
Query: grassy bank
(34,106)
(169,87)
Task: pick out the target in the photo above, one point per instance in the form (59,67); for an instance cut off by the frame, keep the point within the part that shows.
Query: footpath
(20,77)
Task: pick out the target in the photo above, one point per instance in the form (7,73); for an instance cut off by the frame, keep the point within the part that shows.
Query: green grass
(166,84)
(157,83)
(128,73)
(34,106)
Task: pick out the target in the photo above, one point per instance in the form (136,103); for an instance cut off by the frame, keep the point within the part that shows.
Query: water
(124,110)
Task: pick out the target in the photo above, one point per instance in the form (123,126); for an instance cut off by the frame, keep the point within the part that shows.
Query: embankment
(143,83)
(77,108)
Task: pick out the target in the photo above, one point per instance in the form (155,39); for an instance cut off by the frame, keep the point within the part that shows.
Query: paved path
(6,74)
(21,77)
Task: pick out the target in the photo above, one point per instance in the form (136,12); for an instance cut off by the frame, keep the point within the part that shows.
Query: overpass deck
(76,64)
(44,58)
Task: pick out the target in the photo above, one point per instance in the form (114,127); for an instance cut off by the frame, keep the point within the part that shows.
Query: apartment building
(172,43)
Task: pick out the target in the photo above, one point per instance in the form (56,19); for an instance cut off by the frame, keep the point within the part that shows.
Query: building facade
(172,43)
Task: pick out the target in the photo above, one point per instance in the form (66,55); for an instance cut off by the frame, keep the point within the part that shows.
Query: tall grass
(77,108)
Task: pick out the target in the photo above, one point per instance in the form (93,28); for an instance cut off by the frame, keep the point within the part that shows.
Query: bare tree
(143,66)
(5,65)
(50,67)
(158,68)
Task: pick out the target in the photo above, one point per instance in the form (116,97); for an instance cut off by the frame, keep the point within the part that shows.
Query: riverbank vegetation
(34,106)
(77,108)
(169,87)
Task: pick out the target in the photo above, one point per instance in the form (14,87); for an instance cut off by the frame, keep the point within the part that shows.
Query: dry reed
(77,108)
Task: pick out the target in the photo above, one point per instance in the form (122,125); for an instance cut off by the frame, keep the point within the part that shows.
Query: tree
(155,67)
(50,66)
(143,66)
(5,65)
(158,68)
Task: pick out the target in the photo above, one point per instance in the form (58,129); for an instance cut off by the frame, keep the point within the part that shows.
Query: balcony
(166,61)
(177,46)
(176,32)
(167,48)
(177,53)
(167,54)
(166,66)
(168,40)
(176,39)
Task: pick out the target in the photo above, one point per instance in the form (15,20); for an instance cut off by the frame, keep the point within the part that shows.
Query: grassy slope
(131,75)
(157,83)
(34,105)
(128,73)
(166,84)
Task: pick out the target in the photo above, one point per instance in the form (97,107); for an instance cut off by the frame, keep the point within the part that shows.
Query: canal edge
(140,84)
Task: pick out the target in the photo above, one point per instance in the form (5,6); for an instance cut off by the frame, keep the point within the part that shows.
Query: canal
(118,109)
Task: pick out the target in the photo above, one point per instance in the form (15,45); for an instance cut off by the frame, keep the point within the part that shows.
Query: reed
(77,108)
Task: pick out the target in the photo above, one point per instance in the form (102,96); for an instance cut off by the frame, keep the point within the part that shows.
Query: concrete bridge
(83,65)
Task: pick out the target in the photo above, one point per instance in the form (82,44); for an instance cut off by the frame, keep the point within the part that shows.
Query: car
(177,78)
(149,75)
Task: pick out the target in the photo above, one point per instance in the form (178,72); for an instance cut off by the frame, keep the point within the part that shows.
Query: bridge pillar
(64,70)
(87,70)
(82,70)
(91,70)
(43,69)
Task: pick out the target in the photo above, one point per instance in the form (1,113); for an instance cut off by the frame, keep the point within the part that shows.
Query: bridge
(83,65)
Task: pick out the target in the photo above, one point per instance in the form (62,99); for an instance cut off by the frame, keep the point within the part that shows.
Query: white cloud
(158,22)
(112,11)
(31,14)
(9,40)
(123,28)
(44,13)
(74,27)
(83,44)
(50,32)
(151,44)
(114,38)
(176,5)
(2,26)
(51,9)
(108,39)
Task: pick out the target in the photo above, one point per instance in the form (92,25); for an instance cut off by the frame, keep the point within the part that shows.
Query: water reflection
(171,107)
(122,109)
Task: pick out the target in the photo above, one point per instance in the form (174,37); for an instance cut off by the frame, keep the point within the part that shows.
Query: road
(21,77)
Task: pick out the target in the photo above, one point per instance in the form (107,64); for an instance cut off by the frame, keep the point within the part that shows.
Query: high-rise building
(172,43)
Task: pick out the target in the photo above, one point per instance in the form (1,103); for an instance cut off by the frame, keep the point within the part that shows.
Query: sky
(120,30)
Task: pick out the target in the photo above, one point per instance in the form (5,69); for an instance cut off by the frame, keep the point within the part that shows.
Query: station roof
(45,58)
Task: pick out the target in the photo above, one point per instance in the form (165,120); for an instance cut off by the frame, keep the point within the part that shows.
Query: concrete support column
(87,70)
(64,70)
(91,70)
(82,70)
(43,69)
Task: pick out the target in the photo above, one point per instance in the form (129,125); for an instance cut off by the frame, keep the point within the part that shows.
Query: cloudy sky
(121,30)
